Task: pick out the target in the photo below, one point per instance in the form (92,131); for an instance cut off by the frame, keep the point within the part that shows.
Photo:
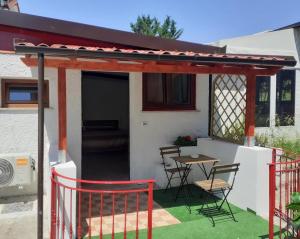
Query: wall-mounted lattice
(228,107)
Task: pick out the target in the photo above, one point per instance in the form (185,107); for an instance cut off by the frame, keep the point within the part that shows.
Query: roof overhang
(96,33)
(192,61)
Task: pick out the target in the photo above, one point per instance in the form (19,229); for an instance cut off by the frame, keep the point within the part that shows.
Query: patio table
(187,162)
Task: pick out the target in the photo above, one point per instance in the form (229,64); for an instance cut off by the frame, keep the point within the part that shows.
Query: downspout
(40,189)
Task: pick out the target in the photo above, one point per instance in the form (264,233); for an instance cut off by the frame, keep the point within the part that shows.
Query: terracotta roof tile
(161,52)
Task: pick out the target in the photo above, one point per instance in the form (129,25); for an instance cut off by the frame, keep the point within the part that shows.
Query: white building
(278,96)
(112,98)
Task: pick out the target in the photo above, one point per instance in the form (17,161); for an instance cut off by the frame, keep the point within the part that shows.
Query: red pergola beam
(62,109)
(250,109)
(114,65)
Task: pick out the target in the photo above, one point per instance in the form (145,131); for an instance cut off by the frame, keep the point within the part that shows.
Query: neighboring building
(11,5)
(278,96)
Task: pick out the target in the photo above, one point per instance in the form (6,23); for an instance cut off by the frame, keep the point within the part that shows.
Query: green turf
(196,225)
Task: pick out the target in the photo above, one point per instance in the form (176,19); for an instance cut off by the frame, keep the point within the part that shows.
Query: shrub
(185,141)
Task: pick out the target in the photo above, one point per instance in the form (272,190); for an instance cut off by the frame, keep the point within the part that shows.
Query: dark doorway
(105,126)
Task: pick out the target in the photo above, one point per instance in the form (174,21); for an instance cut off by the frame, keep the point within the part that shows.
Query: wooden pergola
(130,60)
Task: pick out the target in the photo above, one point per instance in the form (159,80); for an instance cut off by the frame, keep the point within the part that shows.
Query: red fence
(284,179)
(96,203)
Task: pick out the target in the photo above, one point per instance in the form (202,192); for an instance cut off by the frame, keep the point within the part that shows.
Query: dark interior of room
(105,126)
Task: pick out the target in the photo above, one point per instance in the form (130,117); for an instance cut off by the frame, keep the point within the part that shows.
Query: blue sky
(202,20)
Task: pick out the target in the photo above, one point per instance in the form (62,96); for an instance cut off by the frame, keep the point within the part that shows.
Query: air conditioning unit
(16,169)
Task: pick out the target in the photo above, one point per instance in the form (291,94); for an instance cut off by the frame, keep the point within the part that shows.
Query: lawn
(197,225)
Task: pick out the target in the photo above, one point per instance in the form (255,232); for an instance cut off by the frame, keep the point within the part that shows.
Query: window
(22,93)
(262,115)
(168,91)
(285,98)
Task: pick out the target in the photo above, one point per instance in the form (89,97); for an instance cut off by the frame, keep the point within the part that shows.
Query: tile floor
(160,216)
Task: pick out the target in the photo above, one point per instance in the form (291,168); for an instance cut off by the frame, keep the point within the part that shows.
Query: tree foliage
(151,26)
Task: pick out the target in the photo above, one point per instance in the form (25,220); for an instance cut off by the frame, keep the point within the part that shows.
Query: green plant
(185,141)
(284,120)
(295,207)
(290,145)
(236,132)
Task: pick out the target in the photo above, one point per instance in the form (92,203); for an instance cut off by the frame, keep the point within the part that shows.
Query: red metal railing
(284,179)
(91,196)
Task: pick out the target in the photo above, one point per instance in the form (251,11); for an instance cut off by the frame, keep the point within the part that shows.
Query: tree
(150,26)
(146,25)
(169,30)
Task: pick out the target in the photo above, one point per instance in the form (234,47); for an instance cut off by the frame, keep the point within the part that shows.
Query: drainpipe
(40,190)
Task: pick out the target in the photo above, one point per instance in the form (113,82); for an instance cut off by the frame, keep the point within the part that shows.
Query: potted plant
(185,141)
(294,206)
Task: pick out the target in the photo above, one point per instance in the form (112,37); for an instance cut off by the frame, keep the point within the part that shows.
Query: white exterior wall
(283,42)
(69,170)
(151,130)
(148,131)
(18,127)
(251,188)
(73,79)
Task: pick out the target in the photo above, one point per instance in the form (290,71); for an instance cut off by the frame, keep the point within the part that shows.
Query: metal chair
(216,186)
(169,170)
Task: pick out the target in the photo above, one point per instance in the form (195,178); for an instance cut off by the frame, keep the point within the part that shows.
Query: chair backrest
(169,151)
(223,169)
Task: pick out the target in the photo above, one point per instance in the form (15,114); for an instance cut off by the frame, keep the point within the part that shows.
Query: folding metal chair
(217,186)
(169,170)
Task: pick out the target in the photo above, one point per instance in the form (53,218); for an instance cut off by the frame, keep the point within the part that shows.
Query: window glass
(22,94)
(262,117)
(285,98)
(154,88)
(178,89)
(168,91)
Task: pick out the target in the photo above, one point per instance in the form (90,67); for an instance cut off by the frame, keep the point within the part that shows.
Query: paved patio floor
(198,225)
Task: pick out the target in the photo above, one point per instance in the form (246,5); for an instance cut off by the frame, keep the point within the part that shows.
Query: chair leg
(169,181)
(225,200)
(205,204)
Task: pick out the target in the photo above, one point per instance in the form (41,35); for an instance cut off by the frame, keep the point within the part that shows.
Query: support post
(250,110)
(272,188)
(150,208)
(40,189)
(62,114)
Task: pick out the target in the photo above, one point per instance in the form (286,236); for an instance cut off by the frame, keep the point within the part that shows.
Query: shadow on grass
(196,201)
(277,234)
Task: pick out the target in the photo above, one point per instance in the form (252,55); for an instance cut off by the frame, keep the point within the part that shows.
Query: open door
(105,127)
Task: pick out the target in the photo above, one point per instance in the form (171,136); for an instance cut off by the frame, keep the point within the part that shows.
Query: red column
(272,189)
(62,110)
(250,110)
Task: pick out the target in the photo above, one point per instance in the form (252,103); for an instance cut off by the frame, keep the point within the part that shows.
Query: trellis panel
(228,107)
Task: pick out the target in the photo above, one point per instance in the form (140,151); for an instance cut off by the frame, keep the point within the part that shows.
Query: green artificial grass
(199,226)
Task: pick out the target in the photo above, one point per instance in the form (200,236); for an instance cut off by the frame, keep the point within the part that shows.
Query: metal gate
(284,179)
(85,208)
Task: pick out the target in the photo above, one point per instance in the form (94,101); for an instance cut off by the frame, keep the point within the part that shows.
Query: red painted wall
(8,34)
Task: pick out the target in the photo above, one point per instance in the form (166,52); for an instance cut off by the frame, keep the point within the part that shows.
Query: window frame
(7,83)
(280,103)
(262,104)
(147,106)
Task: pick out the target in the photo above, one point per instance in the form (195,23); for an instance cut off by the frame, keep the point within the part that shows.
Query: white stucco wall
(151,130)
(251,188)
(68,206)
(18,127)
(283,42)
(73,78)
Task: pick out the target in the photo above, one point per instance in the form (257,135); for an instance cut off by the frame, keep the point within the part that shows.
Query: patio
(198,225)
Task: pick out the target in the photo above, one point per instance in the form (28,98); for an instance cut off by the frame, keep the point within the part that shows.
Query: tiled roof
(242,58)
